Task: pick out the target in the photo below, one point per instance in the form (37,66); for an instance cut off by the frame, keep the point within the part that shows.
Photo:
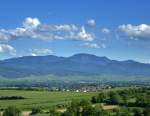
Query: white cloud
(90,45)
(7,49)
(33,28)
(91,22)
(31,22)
(83,35)
(40,52)
(141,31)
(105,30)
(66,27)
(4,36)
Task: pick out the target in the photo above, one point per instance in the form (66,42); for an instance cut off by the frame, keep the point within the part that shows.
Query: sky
(117,29)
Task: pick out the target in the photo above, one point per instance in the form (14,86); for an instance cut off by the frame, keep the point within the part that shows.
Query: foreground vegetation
(114,102)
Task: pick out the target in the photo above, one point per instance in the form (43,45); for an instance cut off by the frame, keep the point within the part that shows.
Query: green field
(44,99)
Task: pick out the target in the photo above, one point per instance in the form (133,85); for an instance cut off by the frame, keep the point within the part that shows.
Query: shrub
(115,98)
(93,111)
(36,110)
(12,111)
(146,112)
(53,112)
(138,112)
(94,99)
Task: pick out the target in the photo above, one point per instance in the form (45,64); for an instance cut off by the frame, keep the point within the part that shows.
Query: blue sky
(113,28)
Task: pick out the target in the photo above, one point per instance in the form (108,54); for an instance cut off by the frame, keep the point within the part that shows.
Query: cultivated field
(44,99)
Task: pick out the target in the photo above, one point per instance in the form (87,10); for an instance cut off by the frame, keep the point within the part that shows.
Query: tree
(115,98)
(125,99)
(101,97)
(84,103)
(143,100)
(84,108)
(12,111)
(94,99)
(74,109)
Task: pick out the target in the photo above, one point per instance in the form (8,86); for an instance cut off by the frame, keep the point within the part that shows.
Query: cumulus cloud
(31,22)
(40,52)
(7,49)
(105,30)
(33,28)
(90,45)
(141,31)
(91,22)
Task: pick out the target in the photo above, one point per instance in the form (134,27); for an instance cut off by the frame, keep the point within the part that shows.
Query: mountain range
(78,65)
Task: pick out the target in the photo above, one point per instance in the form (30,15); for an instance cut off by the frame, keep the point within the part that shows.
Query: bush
(115,98)
(138,112)
(84,108)
(101,97)
(93,111)
(146,112)
(36,110)
(94,99)
(73,109)
(84,103)
(12,111)
(53,112)
(143,101)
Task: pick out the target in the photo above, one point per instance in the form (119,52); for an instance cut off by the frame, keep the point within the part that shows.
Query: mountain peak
(85,55)
(84,58)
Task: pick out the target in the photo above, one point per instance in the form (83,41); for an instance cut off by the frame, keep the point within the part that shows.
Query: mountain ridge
(79,64)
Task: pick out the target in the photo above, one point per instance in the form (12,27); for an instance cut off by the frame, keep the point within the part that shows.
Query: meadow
(43,99)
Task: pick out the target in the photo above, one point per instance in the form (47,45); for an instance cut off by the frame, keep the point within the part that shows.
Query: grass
(43,99)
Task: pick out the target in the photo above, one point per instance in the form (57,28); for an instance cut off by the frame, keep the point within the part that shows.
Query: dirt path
(26,113)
